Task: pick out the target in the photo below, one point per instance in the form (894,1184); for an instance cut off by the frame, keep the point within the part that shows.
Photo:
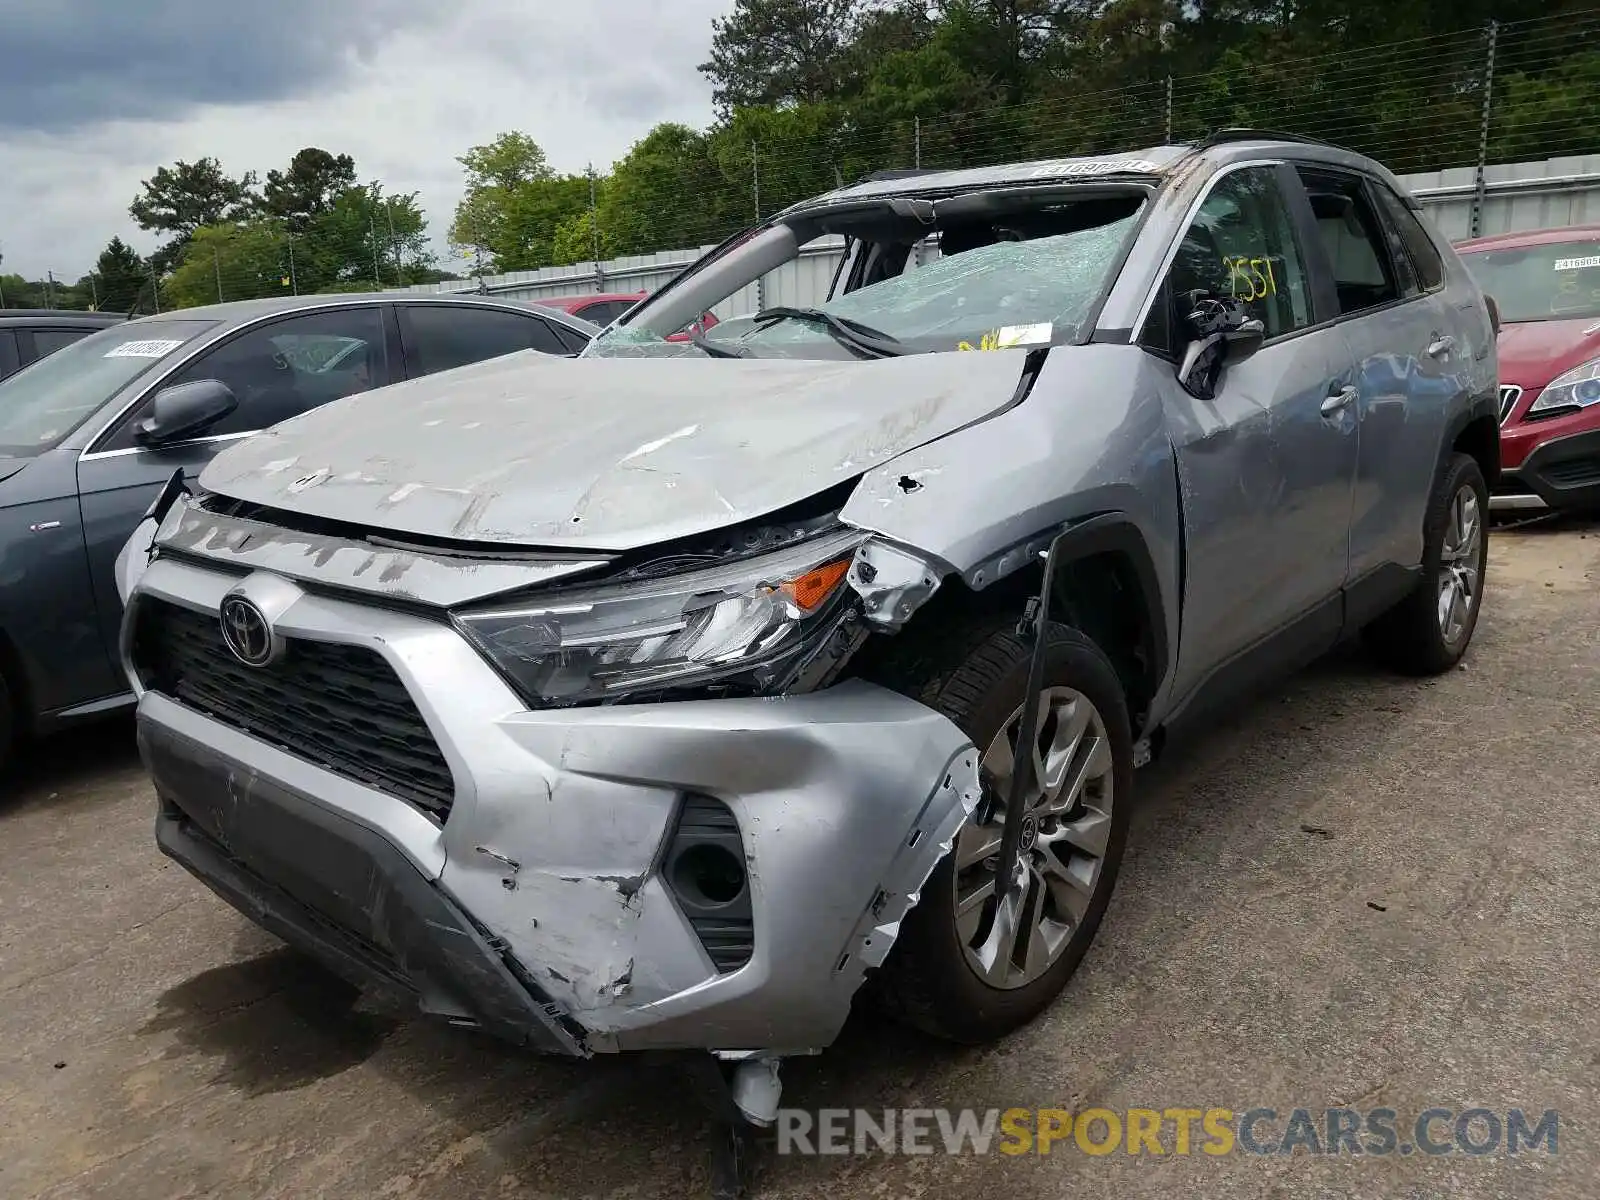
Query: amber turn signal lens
(808,591)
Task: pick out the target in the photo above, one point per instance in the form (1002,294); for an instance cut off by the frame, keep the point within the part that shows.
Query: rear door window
(47,341)
(1353,239)
(9,361)
(439,337)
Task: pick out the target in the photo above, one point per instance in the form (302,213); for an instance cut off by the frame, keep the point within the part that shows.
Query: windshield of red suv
(1554,282)
(43,403)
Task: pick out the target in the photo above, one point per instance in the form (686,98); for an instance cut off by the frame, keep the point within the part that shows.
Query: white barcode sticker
(149,348)
(1577,264)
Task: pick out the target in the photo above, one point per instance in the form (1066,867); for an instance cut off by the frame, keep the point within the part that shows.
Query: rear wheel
(974,961)
(1430,629)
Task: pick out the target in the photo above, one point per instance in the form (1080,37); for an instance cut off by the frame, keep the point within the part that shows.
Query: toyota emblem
(245,630)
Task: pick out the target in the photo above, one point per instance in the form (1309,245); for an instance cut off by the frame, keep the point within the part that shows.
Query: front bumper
(1562,473)
(540,908)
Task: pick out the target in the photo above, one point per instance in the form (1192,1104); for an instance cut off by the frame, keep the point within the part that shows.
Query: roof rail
(1245,134)
(56,312)
(897,173)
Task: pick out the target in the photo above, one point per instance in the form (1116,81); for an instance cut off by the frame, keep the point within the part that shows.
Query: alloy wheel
(1460,580)
(1011,939)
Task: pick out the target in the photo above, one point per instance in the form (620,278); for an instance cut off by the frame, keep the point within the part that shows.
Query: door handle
(1441,345)
(1340,399)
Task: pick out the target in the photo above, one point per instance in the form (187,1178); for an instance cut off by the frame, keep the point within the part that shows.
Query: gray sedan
(89,435)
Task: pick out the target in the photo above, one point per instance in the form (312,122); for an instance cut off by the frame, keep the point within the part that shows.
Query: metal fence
(1500,198)
(1440,110)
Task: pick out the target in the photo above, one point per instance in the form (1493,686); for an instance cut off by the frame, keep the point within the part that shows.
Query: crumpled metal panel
(606,454)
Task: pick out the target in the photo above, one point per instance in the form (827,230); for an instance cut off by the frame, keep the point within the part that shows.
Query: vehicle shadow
(75,761)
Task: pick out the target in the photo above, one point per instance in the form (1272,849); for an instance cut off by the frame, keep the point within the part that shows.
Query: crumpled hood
(607,454)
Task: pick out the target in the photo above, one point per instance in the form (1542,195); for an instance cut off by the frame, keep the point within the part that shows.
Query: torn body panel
(554,838)
(993,496)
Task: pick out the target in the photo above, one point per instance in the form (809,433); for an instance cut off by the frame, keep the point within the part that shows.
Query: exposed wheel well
(1481,439)
(1100,595)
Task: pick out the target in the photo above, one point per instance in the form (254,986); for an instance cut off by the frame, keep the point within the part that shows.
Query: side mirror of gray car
(1222,332)
(185,410)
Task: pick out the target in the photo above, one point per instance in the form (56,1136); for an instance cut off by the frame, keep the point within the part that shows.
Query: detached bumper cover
(540,908)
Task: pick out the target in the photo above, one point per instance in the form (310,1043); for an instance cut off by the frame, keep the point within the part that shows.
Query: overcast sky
(96,94)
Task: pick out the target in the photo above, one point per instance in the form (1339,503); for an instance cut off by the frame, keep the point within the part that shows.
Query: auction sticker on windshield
(1577,264)
(149,348)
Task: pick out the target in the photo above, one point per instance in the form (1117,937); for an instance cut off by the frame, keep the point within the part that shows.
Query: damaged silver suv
(657,699)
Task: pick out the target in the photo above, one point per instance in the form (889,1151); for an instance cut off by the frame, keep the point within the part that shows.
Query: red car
(602,308)
(1547,285)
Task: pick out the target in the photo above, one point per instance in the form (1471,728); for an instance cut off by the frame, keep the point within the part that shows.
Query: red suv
(602,308)
(1546,283)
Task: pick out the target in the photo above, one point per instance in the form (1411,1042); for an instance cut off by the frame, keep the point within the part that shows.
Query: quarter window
(48,341)
(1241,245)
(439,337)
(1414,240)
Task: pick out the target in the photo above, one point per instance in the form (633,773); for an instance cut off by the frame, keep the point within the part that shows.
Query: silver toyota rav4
(658,699)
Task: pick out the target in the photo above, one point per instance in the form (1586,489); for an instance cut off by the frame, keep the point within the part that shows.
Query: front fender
(1090,439)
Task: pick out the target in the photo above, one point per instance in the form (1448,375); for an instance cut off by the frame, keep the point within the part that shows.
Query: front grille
(1574,472)
(1510,393)
(340,707)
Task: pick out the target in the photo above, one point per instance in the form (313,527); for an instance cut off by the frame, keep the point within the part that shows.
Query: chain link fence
(1501,93)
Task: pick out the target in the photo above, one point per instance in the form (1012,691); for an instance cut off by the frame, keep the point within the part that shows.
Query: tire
(1411,637)
(977,676)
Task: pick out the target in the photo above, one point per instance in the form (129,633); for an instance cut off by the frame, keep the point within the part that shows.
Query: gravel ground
(1362,891)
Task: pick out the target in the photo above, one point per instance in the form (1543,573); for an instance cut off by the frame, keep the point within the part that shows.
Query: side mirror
(185,410)
(1222,332)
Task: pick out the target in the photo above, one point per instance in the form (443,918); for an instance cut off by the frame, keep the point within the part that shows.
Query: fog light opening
(708,874)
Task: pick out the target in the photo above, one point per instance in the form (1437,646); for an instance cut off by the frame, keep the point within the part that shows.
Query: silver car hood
(606,454)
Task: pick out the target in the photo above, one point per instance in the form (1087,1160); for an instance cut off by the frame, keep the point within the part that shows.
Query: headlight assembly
(747,624)
(1577,388)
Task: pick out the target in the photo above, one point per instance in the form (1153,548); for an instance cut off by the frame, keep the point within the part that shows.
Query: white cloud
(585,79)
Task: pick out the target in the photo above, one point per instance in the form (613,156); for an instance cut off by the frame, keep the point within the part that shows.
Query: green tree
(179,199)
(308,188)
(666,192)
(236,261)
(121,277)
(776,52)
(575,240)
(514,204)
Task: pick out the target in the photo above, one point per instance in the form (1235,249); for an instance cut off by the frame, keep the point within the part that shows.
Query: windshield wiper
(852,334)
(701,342)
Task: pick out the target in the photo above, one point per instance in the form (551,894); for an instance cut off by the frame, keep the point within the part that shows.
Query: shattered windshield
(990,284)
(1007,294)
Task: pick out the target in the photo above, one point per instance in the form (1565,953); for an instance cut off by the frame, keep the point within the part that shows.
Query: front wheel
(974,961)
(1430,629)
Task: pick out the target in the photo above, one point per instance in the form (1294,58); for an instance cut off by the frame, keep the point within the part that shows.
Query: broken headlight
(747,624)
